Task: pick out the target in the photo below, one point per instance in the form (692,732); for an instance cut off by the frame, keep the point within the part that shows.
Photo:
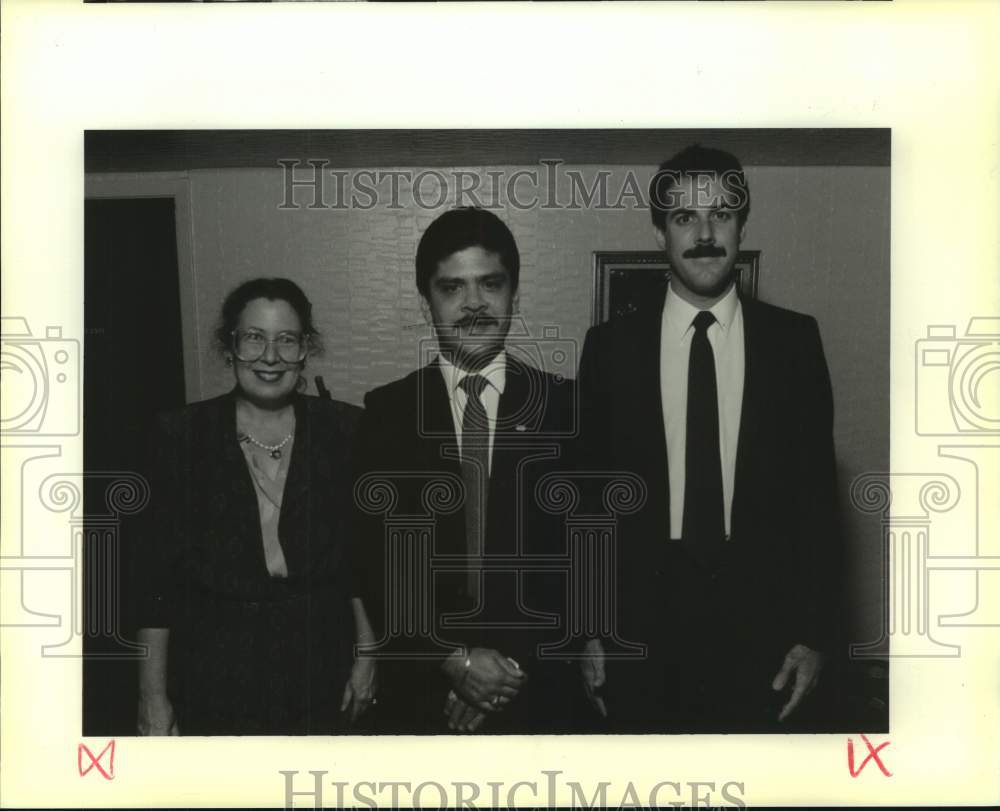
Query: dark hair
(693,161)
(272,290)
(463,228)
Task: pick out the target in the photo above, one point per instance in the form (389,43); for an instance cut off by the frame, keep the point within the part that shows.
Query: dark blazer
(778,579)
(404,436)
(241,639)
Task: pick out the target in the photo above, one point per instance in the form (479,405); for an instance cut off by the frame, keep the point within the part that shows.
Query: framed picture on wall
(624,280)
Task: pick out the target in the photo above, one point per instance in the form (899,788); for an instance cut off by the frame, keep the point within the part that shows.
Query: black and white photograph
(499,405)
(324,551)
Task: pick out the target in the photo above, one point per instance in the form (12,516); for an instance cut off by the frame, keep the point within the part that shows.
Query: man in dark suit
(723,407)
(460,445)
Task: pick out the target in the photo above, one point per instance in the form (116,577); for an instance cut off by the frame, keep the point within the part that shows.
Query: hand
(806,664)
(359,692)
(462,717)
(592,670)
(156,716)
(485,678)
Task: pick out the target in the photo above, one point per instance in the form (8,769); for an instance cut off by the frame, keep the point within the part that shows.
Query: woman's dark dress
(250,654)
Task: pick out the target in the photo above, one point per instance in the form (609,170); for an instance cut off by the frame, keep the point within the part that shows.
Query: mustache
(475,321)
(463,323)
(702,251)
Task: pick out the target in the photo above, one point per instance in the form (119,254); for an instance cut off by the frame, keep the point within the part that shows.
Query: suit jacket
(238,635)
(407,438)
(778,579)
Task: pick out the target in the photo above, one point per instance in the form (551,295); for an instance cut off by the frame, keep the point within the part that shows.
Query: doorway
(133,368)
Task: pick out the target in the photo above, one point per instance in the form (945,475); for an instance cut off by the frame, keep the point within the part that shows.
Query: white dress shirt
(726,339)
(495,373)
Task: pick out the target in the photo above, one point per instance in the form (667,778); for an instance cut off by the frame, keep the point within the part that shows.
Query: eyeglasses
(250,345)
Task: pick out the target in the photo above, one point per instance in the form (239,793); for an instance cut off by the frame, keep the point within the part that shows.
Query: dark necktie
(704,520)
(475,475)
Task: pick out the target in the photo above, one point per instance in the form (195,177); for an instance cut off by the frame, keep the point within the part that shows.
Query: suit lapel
(518,411)
(642,419)
(647,370)
(234,477)
(236,494)
(754,385)
(517,447)
(295,498)
(436,428)
(435,450)
(516,419)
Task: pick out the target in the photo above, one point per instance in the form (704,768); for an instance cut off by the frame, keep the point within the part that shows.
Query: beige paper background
(926,70)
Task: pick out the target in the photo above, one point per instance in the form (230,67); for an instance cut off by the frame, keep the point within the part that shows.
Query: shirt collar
(495,372)
(678,313)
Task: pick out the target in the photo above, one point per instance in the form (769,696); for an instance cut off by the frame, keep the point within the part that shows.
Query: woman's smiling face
(269,380)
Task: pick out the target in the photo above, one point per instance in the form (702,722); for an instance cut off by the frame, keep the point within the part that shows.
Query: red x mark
(110,773)
(872,755)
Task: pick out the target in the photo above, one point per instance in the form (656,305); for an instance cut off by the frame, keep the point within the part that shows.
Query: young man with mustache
(724,407)
(457,652)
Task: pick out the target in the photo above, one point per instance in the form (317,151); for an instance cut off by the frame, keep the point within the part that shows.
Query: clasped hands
(802,667)
(483,681)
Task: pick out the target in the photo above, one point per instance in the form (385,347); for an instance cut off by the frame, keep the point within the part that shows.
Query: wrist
(456,666)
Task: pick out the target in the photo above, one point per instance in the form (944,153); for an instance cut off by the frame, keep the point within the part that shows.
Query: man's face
(702,238)
(470,301)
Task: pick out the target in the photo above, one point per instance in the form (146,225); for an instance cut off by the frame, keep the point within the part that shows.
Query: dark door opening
(133,368)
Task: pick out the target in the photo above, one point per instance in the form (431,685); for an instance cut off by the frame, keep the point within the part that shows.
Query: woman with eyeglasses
(247,602)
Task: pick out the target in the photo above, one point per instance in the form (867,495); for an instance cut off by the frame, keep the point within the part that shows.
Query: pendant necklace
(273,450)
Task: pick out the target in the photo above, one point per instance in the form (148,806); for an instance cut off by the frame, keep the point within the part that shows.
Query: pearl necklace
(273,450)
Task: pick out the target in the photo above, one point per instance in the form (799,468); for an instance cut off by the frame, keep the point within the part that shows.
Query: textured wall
(358,266)
(823,233)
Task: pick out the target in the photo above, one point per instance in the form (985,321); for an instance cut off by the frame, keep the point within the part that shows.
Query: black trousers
(713,646)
